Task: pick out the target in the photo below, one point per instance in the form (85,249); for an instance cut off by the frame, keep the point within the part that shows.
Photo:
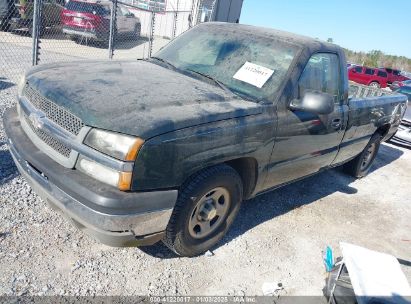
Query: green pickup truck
(135,152)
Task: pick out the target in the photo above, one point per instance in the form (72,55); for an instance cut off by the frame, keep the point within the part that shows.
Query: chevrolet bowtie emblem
(36,120)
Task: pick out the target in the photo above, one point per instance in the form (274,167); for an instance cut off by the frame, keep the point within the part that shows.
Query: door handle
(336,123)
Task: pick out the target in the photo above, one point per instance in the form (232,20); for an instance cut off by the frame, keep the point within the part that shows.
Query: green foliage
(377,58)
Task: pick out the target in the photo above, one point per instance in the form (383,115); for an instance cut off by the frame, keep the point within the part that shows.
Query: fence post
(37,11)
(153,23)
(112,37)
(175,25)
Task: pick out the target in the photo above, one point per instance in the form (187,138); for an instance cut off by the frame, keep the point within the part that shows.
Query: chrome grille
(48,140)
(55,113)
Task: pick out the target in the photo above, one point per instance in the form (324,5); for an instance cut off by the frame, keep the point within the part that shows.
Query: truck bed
(359,91)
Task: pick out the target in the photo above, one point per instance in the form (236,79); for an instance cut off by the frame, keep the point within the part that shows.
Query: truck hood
(135,97)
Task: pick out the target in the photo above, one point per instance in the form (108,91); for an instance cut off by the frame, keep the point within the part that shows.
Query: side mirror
(314,102)
(353,71)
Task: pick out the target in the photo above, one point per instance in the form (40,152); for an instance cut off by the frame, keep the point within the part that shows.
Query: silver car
(403,135)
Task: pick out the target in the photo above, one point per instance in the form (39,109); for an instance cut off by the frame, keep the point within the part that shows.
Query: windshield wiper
(166,62)
(217,82)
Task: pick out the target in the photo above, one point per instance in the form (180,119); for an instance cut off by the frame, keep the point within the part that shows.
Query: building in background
(223,10)
(173,17)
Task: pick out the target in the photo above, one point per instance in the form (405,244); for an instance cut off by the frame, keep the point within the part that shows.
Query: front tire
(360,166)
(206,207)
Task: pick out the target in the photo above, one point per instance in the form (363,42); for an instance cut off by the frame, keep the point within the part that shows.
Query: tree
(330,40)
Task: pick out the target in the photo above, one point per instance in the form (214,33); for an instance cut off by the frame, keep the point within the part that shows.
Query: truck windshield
(248,65)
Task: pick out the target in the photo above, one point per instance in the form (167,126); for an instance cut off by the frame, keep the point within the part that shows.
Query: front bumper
(113,217)
(79,32)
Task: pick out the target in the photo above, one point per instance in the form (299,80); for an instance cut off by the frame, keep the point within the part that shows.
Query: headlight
(21,84)
(120,146)
(121,180)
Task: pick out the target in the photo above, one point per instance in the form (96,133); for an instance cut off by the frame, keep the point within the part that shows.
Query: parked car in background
(403,135)
(398,84)
(394,75)
(368,76)
(91,20)
(23,20)
(406,74)
(7,11)
(220,115)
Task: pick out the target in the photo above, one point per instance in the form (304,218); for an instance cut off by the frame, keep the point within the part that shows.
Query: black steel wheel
(206,207)
(360,166)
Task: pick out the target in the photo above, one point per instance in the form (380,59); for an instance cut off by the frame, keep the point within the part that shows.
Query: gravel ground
(278,237)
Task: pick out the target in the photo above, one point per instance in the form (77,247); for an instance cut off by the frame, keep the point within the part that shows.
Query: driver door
(307,142)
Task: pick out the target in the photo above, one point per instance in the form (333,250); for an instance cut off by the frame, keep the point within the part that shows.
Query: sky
(360,25)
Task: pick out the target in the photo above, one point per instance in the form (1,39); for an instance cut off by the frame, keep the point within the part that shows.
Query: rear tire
(137,32)
(375,85)
(5,25)
(360,166)
(206,207)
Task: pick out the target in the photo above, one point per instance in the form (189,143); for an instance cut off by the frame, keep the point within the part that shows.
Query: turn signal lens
(133,151)
(121,180)
(124,181)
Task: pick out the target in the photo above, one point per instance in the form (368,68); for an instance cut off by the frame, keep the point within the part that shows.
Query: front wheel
(360,166)
(206,207)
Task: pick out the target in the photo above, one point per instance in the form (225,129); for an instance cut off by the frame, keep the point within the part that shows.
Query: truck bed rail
(361,91)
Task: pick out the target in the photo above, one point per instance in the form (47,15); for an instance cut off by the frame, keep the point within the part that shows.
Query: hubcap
(368,157)
(209,212)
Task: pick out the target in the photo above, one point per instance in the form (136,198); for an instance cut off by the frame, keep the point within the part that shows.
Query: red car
(92,20)
(394,75)
(368,76)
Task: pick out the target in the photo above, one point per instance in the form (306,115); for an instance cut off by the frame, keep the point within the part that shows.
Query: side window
(322,73)
(124,11)
(358,69)
(369,71)
(382,74)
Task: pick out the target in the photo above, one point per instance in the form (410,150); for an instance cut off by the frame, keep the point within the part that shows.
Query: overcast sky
(360,25)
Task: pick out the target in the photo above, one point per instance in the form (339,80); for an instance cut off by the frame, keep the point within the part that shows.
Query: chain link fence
(36,32)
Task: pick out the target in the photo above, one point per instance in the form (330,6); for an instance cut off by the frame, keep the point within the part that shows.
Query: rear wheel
(206,207)
(137,32)
(360,166)
(30,30)
(375,84)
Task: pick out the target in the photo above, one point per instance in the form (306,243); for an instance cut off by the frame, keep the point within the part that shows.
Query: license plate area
(78,20)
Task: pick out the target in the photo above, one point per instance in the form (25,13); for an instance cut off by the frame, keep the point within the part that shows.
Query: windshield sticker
(253,74)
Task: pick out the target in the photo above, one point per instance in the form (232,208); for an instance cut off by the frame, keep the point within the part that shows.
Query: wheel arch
(247,168)
(383,130)
(374,80)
